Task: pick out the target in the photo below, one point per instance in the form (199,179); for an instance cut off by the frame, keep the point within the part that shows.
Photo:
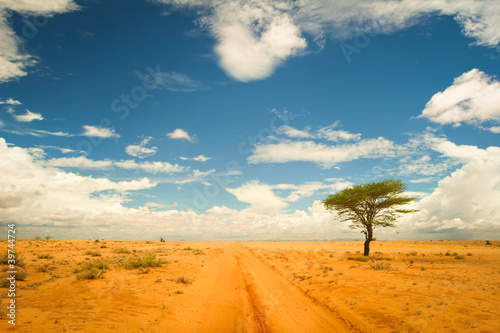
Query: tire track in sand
(238,293)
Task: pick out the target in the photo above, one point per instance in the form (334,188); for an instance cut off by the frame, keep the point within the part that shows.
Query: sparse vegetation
(45,268)
(93,253)
(4,259)
(459,256)
(379,265)
(183,279)
(121,250)
(92,270)
(360,258)
(148,260)
(45,256)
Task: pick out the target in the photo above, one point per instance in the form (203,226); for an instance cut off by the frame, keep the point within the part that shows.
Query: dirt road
(242,294)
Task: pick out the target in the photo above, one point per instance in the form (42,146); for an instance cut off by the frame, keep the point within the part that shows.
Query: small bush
(380,265)
(149,260)
(459,256)
(197,251)
(179,292)
(183,279)
(92,270)
(93,253)
(188,248)
(360,258)
(45,256)
(121,250)
(45,268)
(19,258)
(21,274)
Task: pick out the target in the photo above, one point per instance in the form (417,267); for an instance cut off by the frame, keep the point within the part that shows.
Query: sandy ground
(407,286)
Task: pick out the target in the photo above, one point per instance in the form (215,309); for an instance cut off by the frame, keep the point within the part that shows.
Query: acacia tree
(372,205)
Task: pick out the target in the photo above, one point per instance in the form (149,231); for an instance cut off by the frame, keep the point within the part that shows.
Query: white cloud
(199,158)
(326,156)
(465,204)
(253,41)
(10,101)
(473,98)
(140,150)
(221,210)
(174,81)
(261,198)
(81,162)
(338,135)
(294,133)
(154,167)
(255,37)
(29,116)
(180,134)
(37,194)
(327,132)
(423,180)
(197,176)
(13,62)
(99,132)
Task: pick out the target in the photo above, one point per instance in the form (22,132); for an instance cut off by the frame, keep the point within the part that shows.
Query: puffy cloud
(326,156)
(254,40)
(83,162)
(261,198)
(10,101)
(473,98)
(29,116)
(33,193)
(13,62)
(199,158)
(255,37)
(180,134)
(464,205)
(99,132)
(294,133)
(140,150)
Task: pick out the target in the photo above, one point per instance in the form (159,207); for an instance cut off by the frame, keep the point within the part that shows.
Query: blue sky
(231,119)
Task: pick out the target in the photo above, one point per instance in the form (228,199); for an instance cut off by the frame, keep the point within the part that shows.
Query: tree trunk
(367,248)
(369,237)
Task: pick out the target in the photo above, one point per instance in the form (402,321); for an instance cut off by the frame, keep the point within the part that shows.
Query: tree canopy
(372,205)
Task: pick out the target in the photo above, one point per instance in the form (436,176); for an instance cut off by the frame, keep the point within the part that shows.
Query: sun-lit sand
(406,286)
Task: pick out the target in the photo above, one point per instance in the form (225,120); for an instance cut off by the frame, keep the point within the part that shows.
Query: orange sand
(438,286)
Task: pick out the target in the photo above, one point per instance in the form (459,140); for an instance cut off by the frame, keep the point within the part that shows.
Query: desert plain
(152,286)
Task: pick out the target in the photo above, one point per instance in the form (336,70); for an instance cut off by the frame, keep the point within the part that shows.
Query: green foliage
(183,279)
(18,257)
(372,205)
(45,268)
(92,270)
(93,253)
(45,256)
(380,265)
(121,250)
(360,258)
(149,260)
